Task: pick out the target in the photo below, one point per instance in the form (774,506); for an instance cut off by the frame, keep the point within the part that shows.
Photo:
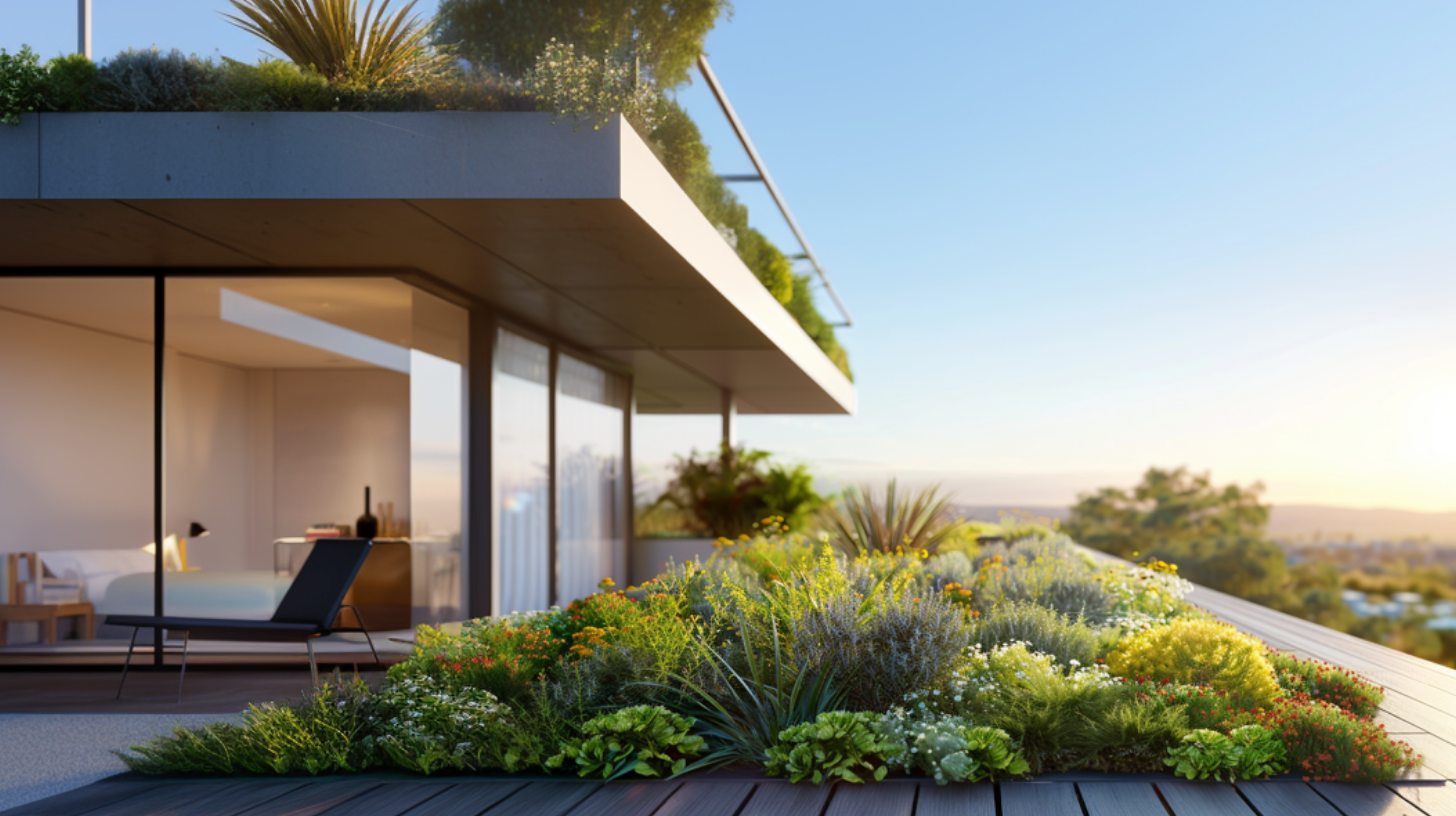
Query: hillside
(1304,522)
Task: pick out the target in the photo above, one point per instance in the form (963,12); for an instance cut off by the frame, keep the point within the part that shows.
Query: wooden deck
(375,796)
(1420,708)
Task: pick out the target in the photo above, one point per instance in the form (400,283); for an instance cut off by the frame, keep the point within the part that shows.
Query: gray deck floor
(374,796)
(1420,708)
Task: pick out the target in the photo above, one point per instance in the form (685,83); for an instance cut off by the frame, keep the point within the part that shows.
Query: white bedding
(245,595)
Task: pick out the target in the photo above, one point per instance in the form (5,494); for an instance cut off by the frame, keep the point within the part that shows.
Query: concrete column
(730,419)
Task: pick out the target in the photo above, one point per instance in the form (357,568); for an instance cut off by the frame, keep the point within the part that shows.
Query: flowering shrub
(426,725)
(501,657)
(835,746)
(1198,652)
(949,749)
(1326,743)
(645,740)
(1321,681)
(1042,629)
(1249,752)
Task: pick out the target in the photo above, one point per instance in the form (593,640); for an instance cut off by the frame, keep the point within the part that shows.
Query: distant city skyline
(1081,241)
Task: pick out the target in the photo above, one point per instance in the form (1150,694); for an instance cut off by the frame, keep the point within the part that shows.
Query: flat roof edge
(657,198)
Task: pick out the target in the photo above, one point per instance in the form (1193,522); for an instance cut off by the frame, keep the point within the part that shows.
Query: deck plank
(314,798)
(706,799)
(172,798)
(1203,798)
(1286,799)
(1440,755)
(85,799)
(622,799)
(1436,800)
(391,798)
(1039,799)
(545,798)
(1364,800)
(465,799)
(956,800)
(879,799)
(230,800)
(783,799)
(1395,725)
(1121,799)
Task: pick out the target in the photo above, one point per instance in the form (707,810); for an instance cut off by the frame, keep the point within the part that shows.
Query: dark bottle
(367,526)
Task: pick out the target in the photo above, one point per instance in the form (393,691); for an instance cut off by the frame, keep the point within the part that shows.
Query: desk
(46,615)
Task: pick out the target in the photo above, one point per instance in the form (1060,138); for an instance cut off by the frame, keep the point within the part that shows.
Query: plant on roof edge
(891,521)
(331,38)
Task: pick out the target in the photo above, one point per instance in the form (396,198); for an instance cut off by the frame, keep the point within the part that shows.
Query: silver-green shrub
(1044,571)
(879,654)
(1044,630)
(149,80)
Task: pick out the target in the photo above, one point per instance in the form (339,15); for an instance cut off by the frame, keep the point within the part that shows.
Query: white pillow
(95,569)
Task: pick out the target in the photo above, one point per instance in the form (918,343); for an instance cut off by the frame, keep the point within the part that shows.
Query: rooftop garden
(893,642)
(583,62)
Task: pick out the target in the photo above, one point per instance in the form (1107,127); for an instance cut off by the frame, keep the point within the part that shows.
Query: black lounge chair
(308,610)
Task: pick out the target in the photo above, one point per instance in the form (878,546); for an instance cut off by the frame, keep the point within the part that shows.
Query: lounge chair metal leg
(127,664)
(359,619)
(312,662)
(186,636)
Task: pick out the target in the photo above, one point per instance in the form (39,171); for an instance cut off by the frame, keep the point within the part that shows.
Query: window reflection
(521,473)
(590,436)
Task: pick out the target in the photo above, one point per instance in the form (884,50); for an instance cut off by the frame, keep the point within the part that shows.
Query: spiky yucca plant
(868,523)
(332,38)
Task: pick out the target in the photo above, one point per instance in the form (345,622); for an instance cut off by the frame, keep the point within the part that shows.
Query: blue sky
(1081,240)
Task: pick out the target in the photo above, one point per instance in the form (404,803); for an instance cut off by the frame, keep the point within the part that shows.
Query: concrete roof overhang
(579,233)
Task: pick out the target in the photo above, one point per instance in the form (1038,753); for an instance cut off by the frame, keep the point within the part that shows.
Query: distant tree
(1215,535)
(508,35)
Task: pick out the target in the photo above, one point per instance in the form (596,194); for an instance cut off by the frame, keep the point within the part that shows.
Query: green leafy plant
(891,521)
(331,38)
(735,493)
(949,749)
(837,745)
(645,740)
(1250,752)
(323,733)
(1199,652)
(71,83)
(22,81)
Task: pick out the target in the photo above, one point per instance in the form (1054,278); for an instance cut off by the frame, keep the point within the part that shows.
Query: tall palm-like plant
(334,39)
(868,523)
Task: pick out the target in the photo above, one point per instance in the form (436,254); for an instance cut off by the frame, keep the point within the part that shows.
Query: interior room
(285,398)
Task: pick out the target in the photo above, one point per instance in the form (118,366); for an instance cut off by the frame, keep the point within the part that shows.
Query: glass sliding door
(76,443)
(591,483)
(522,477)
(287,397)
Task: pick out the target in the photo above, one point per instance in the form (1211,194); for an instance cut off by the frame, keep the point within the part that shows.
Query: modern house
(243,320)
